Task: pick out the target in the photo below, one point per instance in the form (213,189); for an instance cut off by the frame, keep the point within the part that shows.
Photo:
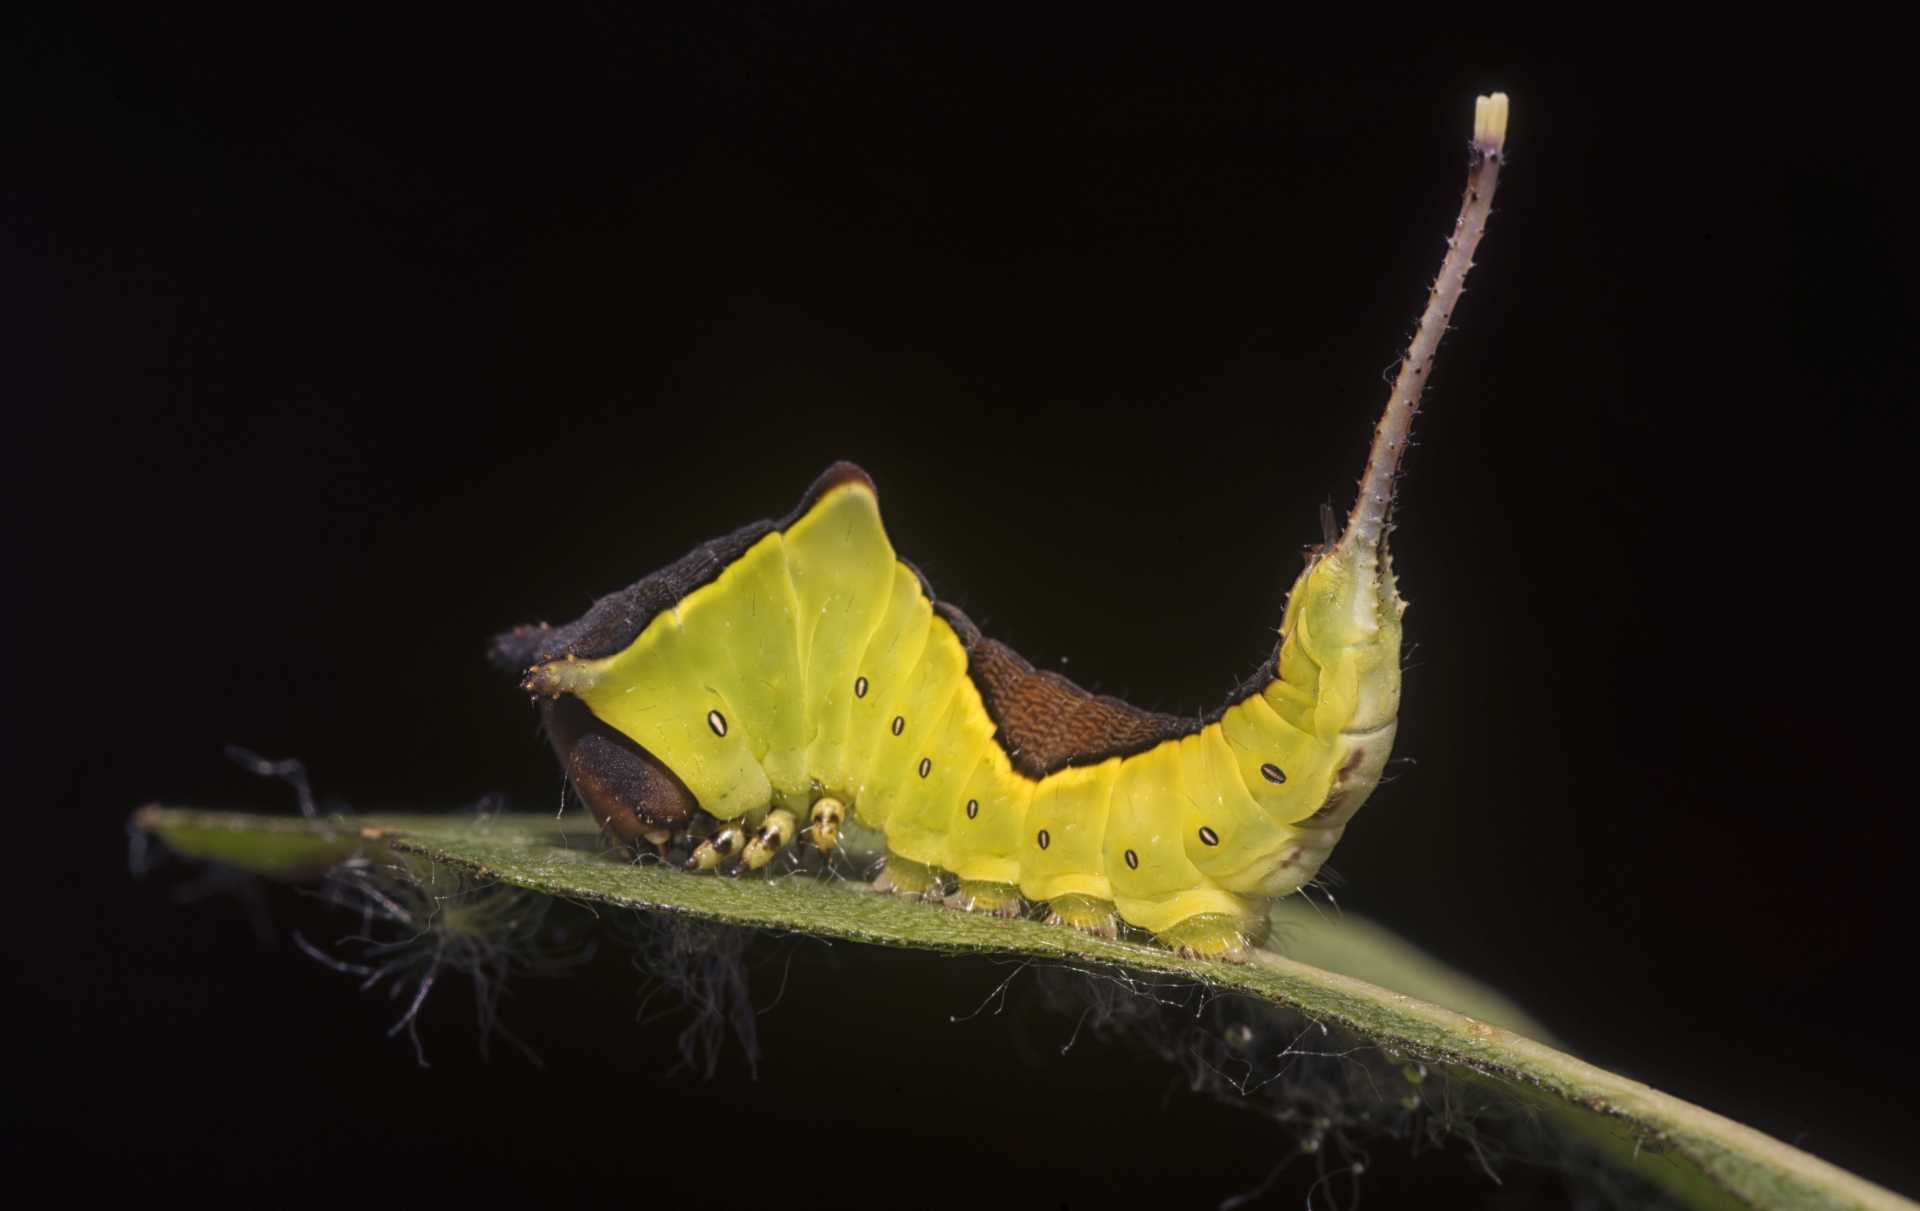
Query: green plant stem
(1699,1155)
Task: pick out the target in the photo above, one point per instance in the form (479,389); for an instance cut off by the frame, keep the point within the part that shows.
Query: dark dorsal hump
(1047,722)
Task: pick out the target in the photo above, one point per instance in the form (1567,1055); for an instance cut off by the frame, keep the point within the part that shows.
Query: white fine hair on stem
(1367,525)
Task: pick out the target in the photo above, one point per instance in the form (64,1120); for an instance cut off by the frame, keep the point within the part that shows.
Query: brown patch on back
(628,789)
(1047,722)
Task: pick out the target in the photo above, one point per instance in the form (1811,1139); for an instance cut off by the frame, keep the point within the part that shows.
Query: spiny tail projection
(776,681)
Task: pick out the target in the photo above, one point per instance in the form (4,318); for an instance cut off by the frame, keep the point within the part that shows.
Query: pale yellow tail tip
(1490,122)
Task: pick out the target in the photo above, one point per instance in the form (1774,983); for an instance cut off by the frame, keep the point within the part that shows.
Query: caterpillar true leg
(823,824)
(776,833)
(724,844)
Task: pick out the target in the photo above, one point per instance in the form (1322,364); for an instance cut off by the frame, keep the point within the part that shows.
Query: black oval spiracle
(1208,836)
(859,687)
(1133,860)
(926,766)
(899,724)
(717,722)
(1273,773)
(1044,839)
(973,809)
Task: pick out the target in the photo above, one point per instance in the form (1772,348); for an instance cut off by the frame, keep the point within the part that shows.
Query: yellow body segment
(843,569)
(1063,851)
(921,823)
(910,740)
(988,821)
(815,667)
(1282,768)
(889,658)
(1225,834)
(1155,884)
(747,633)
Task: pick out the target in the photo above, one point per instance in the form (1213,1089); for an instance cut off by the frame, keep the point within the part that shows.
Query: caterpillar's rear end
(1336,674)
(777,682)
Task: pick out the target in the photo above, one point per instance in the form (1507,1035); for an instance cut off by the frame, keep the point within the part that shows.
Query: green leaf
(1340,971)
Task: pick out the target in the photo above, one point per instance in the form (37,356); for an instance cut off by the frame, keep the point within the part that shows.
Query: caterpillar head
(636,797)
(629,790)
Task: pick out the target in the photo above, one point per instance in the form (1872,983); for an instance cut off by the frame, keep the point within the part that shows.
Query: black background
(337,345)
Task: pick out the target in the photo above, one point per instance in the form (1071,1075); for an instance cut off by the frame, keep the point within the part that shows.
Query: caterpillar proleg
(775,682)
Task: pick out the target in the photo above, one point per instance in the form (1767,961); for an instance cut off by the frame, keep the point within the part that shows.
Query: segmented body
(815,664)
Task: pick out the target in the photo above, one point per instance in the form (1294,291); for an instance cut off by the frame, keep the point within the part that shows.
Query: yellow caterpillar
(799,670)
